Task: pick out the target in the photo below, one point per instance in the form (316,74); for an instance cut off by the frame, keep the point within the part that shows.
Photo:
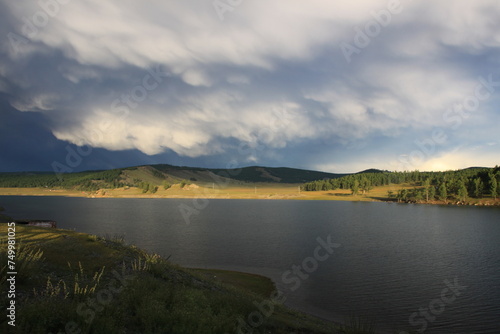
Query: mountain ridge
(159,174)
(166,174)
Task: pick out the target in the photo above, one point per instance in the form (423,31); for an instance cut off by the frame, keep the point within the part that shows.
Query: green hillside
(248,174)
(159,175)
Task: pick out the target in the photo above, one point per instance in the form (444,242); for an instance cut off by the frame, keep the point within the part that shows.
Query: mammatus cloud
(269,77)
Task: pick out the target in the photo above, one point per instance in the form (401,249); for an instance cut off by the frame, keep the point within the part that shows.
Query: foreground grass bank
(71,282)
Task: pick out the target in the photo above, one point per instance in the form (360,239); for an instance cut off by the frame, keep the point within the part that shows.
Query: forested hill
(155,175)
(477,182)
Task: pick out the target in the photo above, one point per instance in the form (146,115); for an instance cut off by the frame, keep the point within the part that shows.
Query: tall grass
(145,262)
(355,325)
(27,259)
(50,290)
(83,285)
(116,238)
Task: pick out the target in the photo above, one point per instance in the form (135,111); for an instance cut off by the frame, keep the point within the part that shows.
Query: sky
(336,86)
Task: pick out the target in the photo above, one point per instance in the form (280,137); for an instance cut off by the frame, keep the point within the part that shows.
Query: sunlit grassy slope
(232,190)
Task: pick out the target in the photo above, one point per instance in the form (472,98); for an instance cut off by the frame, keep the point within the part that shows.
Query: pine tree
(365,185)
(419,194)
(402,195)
(478,187)
(462,191)
(355,187)
(442,192)
(493,186)
(432,193)
(427,185)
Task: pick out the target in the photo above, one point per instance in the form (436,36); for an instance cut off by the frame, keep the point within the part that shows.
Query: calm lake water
(402,266)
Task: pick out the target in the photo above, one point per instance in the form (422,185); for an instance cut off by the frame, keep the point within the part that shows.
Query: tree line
(428,186)
(85,181)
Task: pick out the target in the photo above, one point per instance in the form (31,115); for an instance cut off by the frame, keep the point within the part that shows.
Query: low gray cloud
(261,81)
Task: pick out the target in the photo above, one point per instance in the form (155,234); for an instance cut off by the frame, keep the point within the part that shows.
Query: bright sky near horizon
(337,86)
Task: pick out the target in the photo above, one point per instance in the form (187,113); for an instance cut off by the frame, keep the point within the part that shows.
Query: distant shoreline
(262,192)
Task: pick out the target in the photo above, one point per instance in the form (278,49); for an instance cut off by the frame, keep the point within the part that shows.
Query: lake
(432,269)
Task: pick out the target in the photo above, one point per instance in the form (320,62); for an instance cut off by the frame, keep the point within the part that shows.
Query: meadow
(232,191)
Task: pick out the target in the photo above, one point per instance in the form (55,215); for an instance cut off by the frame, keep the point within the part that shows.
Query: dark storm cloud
(271,83)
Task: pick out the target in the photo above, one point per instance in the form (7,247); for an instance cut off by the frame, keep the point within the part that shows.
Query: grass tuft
(356,325)
(28,258)
(84,286)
